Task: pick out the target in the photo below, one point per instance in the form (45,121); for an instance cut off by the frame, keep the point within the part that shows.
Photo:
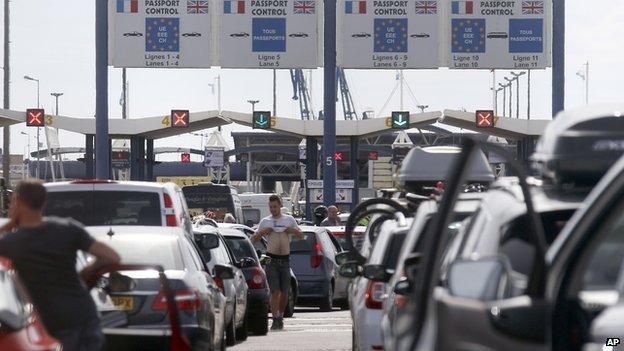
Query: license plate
(124,303)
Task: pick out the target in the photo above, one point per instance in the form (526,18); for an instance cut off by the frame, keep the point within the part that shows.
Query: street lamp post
(510,84)
(422,108)
(253,104)
(249,160)
(38,128)
(504,87)
(56,97)
(517,78)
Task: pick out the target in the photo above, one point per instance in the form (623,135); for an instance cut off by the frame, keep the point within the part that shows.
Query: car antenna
(110,233)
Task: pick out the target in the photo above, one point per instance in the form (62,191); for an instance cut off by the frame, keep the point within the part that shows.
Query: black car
(298,35)
(200,300)
(258,293)
(239,35)
(133,34)
(420,35)
(497,35)
(192,34)
(361,35)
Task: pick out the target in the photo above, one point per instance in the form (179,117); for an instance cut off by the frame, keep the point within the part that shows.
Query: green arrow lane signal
(400,119)
(261,120)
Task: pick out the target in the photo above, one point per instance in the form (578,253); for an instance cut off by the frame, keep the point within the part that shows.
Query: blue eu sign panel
(269,35)
(390,35)
(468,35)
(526,35)
(162,34)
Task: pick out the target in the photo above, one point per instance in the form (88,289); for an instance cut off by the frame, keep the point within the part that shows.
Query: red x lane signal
(373,155)
(35,117)
(485,119)
(179,118)
(338,155)
(185,158)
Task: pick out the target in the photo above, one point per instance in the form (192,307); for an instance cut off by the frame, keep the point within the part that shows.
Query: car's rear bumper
(153,337)
(258,302)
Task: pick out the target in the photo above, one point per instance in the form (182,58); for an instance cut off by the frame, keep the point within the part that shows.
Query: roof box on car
(424,167)
(580,145)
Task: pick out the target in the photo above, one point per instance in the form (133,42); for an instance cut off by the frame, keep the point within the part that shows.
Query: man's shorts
(278,275)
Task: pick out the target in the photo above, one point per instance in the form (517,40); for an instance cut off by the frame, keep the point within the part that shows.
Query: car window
(335,242)
(93,208)
(159,250)
(328,245)
(12,310)
(194,256)
(605,270)
(240,248)
(393,250)
(251,214)
(304,245)
(220,255)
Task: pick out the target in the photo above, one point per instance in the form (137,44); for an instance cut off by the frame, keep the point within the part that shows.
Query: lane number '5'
(329,161)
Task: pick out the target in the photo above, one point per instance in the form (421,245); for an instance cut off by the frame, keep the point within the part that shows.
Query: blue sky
(54,41)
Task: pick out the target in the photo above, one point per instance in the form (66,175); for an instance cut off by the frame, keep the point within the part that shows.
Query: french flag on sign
(462,7)
(127,6)
(236,7)
(358,7)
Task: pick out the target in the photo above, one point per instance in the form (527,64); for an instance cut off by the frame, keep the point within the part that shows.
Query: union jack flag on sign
(304,7)
(197,6)
(532,7)
(426,7)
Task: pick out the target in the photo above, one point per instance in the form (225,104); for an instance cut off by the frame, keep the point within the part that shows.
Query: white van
(256,206)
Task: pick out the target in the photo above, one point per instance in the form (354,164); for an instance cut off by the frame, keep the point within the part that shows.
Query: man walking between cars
(278,228)
(43,252)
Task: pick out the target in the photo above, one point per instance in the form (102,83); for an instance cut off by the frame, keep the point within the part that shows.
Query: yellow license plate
(124,303)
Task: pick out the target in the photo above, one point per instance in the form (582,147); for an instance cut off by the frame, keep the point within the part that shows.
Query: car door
(450,319)
(238,283)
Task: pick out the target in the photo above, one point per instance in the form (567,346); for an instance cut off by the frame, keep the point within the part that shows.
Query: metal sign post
(329,104)
(102,157)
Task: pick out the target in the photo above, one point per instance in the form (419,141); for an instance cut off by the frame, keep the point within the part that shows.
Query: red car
(20,328)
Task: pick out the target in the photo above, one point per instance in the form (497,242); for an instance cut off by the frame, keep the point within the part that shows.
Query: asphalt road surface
(308,330)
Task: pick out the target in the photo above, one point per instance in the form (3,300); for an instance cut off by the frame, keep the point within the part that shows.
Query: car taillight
(219,282)
(374,295)
(171,219)
(186,299)
(257,280)
(317,255)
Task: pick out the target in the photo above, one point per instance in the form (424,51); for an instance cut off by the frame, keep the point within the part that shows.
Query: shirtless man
(277,228)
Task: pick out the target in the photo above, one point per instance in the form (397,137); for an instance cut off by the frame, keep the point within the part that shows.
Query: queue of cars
(519,263)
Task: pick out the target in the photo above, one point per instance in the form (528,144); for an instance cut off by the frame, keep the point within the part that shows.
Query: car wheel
(241,333)
(290,307)
(230,332)
(327,304)
(259,324)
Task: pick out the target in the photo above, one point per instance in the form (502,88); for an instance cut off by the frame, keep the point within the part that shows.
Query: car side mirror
(249,223)
(223,272)
(403,287)
(206,241)
(247,262)
(484,279)
(349,269)
(377,272)
(343,257)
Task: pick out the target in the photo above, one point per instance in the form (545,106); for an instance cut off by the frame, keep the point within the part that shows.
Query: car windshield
(240,247)
(302,245)
(393,250)
(142,249)
(97,208)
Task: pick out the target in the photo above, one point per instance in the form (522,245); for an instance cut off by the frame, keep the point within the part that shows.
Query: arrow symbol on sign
(262,121)
(400,121)
(342,196)
(319,196)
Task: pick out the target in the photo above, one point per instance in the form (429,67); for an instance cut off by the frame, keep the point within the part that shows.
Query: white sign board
(269,33)
(340,184)
(343,196)
(213,157)
(388,34)
(161,33)
(513,34)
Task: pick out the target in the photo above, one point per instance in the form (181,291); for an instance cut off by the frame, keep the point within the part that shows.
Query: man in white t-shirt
(277,228)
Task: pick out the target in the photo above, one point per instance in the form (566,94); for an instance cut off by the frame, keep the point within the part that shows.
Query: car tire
(259,324)
(230,331)
(327,303)
(290,307)
(241,333)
